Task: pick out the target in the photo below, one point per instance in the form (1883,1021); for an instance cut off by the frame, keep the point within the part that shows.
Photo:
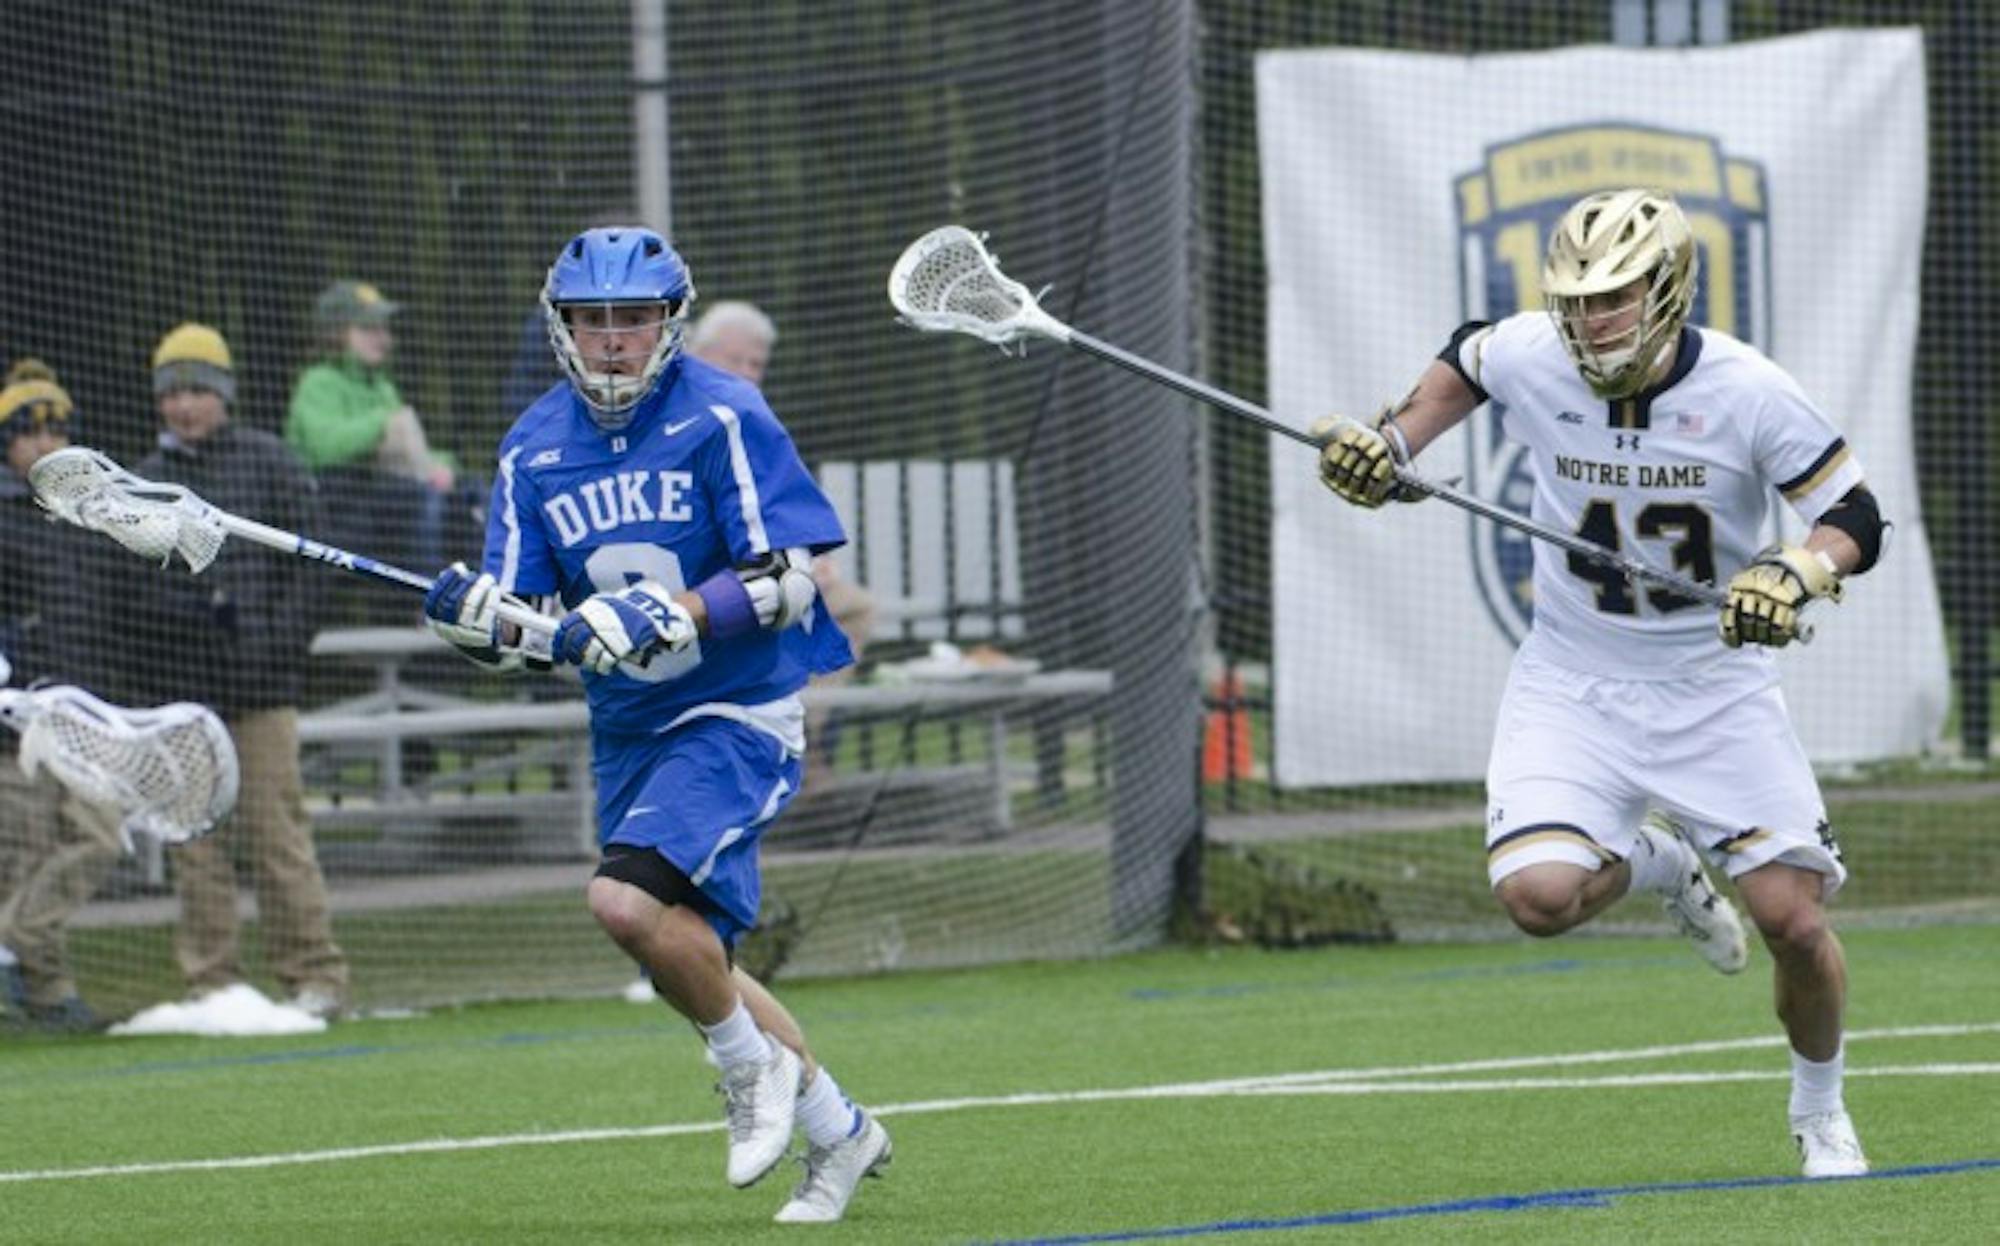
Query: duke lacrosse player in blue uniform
(663,503)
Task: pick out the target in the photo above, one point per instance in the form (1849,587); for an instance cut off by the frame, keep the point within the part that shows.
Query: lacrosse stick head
(81,486)
(947,282)
(170,771)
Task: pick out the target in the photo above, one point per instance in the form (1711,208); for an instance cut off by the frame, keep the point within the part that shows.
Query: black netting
(1095,549)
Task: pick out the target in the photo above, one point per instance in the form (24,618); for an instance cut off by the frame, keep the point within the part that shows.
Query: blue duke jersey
(1682,477)
(703,479)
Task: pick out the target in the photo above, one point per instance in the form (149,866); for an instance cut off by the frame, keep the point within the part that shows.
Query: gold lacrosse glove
(1765,597)
(1357,462)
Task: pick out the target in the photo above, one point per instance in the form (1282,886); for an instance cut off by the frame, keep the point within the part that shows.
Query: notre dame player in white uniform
(1669,444)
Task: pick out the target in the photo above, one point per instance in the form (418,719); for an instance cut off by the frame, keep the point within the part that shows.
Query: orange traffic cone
(1225,736)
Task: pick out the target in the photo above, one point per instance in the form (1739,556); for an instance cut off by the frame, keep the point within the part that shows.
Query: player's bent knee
(1538,923)
(624,914)
(1798,929)
(1786,906)
(650,881)
(1536,907)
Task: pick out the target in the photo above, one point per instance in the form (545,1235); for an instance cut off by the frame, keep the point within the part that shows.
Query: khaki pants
(270,832)
(55,848)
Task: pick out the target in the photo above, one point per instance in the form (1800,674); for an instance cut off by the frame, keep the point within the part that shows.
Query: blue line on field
(1600,1196)
(346,1051)
(253,1058)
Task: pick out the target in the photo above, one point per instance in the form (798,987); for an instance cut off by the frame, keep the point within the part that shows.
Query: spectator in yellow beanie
(55,847)
(235,639)
(194,356)
(35,413)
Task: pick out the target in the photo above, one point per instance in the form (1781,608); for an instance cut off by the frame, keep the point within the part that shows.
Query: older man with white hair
(735,336)
(738,336)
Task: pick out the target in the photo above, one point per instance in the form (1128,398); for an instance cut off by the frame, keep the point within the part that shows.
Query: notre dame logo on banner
(1506,209)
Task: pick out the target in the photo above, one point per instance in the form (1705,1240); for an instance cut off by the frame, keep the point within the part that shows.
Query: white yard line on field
(1614,1056)
(1238,1087)
(1396,1080)
(1589,1083)
(425,1146)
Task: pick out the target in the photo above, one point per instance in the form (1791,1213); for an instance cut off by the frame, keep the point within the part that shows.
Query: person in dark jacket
(235,638)
(55,847)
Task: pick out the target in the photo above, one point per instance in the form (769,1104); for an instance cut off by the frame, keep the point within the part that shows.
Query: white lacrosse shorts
(1578,760)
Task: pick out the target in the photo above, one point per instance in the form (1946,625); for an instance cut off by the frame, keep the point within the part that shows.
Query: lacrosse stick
(157,521)
(947,282)
(170,771)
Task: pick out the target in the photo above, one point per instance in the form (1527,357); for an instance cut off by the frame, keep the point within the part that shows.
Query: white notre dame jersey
(1681,477)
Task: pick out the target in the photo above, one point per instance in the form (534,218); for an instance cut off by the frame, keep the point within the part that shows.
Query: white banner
(1406,193)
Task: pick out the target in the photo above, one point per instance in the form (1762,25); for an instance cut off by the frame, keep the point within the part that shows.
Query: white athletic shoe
(318,1001)
(832,1172)
(1699,910)
(760,1099)
(1828,1146)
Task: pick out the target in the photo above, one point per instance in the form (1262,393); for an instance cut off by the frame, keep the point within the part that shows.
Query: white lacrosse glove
(781,587)
(1765,597)
(631,625)
(464,610)
(1358,463)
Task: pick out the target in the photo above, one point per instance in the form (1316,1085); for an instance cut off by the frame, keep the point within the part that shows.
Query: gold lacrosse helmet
(1631,243)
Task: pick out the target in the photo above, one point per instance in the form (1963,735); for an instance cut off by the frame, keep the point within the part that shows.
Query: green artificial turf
(1281,1167)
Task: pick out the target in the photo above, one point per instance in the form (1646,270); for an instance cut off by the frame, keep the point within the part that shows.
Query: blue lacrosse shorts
(701,796)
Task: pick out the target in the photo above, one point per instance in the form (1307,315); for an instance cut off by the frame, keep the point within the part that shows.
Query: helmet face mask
(616,301)
(619,349)
(1603,330)
(1619,281)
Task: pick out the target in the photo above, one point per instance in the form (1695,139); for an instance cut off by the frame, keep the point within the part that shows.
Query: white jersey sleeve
(1500,360)
(1800,452)
(1466,354)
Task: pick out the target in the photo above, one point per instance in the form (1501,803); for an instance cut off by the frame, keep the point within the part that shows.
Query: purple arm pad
(729,610)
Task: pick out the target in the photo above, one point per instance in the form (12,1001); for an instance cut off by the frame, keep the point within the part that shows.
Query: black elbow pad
(1857,515)
(1453,354)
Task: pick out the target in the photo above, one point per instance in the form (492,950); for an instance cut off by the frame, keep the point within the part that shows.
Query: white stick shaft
(1231,404)
(305,547)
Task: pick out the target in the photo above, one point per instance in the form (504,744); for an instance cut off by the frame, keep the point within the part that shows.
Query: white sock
(736,1039)
(827,1115)
(1658,861)
(1816,1087)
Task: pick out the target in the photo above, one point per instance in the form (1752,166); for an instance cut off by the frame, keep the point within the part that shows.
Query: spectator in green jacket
(346,409)
(385,487)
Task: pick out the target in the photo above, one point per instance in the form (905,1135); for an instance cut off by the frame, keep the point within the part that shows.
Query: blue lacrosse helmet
(617,266)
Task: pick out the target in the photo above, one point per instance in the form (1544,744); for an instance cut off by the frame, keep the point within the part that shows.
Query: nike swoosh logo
(675,428)
(636,810)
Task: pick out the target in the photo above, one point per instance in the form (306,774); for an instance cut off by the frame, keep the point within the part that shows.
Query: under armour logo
(1621,441)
